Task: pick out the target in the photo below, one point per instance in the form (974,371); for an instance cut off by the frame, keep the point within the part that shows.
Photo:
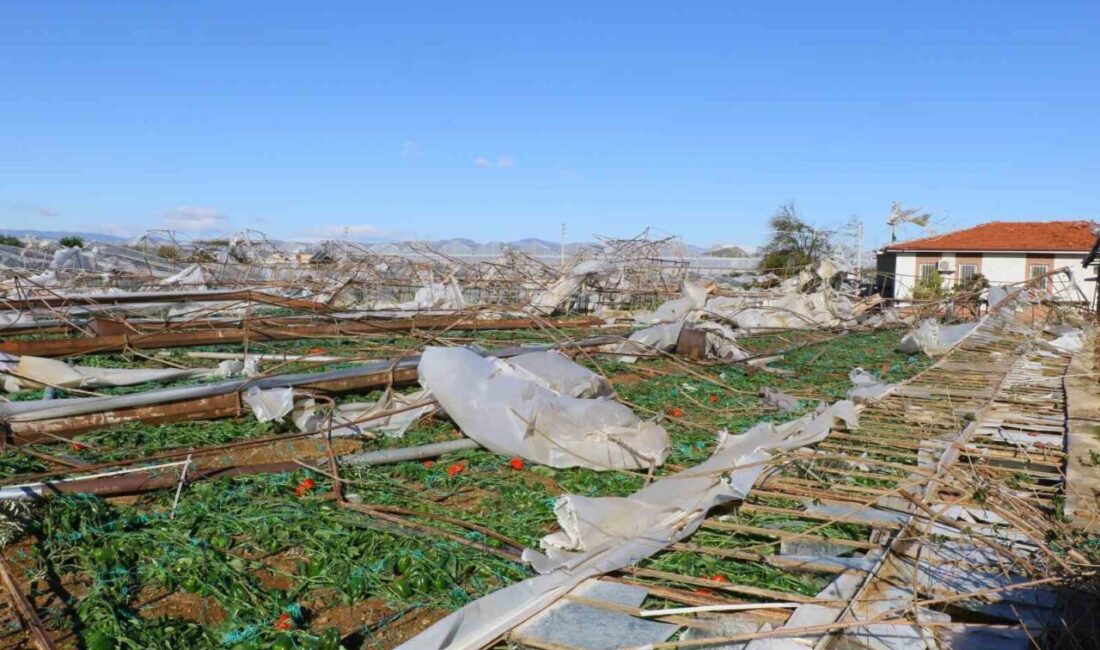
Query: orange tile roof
(1010,236)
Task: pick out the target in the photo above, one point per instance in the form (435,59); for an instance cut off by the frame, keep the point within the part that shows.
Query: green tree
(71,241)
(8,240)
(793,243)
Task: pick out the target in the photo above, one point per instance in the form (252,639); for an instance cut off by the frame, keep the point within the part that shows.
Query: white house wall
(1004,268)
(998,268)
(905,273)
(1079,274)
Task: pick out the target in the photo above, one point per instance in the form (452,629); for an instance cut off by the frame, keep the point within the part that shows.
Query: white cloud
(195,219)
(503,161)
(409,149)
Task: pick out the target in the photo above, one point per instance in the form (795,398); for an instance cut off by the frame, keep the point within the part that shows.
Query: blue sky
(502,120)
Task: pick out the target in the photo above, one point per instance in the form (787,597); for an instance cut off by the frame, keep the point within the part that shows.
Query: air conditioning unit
(944,266)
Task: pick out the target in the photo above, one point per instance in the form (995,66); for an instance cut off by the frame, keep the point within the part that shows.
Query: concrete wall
(998,268)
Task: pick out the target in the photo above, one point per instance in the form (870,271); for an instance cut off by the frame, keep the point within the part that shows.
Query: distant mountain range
(458,246)
(542,247)
(58,234)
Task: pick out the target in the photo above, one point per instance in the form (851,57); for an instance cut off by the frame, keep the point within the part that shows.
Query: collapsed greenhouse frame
(937,513)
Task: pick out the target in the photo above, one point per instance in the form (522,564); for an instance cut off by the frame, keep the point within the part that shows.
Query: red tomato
(428,463)
(675,411)
(713,398)
(78,447)
(284,622)
(718,577)
(457,468)
(517,464)
(305,486)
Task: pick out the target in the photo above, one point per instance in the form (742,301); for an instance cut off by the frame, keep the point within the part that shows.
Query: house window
(927,271)
(1038,271)
(967,272)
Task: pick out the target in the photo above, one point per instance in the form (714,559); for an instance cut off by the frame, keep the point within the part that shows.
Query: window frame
(1032,276)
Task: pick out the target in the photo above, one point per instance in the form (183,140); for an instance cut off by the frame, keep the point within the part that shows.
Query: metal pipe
(420,452)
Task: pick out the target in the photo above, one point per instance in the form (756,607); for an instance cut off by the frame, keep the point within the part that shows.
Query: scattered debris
(325,496)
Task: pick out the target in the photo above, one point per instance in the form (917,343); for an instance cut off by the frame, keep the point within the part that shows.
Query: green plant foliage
(930,287)
(253,549)
(793,243)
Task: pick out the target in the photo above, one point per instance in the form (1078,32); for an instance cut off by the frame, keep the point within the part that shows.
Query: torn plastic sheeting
(692,297)
(192,277)
(43,410)
(996,295)
(969,637)
(436,295)
(589,522)
(796,547)
(659,337)
(1070,341)
(579,625)
(721,342)
(845,511)
(794,311)
(16,318)
(512,414)
(1036,605)
(1025,440)
(356,419)
(731,625)
(74,258)
(961,552)
(779,399)
(189,310)
(35,371)
(560,374)
(838,564)
(270,404)
(842,588)
(27,287)
(866,386)
(561,291)
(932,338)
(680,503)
(884,318)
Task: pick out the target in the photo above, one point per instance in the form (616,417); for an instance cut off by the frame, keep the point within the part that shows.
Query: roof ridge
(1060,235)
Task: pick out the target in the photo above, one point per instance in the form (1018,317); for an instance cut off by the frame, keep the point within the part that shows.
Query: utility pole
(563,246)
(859,251)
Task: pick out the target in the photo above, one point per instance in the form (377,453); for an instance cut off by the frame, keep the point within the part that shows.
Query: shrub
(168,252)
(930,287)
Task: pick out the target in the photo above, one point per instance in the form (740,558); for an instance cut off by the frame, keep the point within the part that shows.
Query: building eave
(1033,251)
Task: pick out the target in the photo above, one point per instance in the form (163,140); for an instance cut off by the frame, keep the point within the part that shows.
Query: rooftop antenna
(899,215)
